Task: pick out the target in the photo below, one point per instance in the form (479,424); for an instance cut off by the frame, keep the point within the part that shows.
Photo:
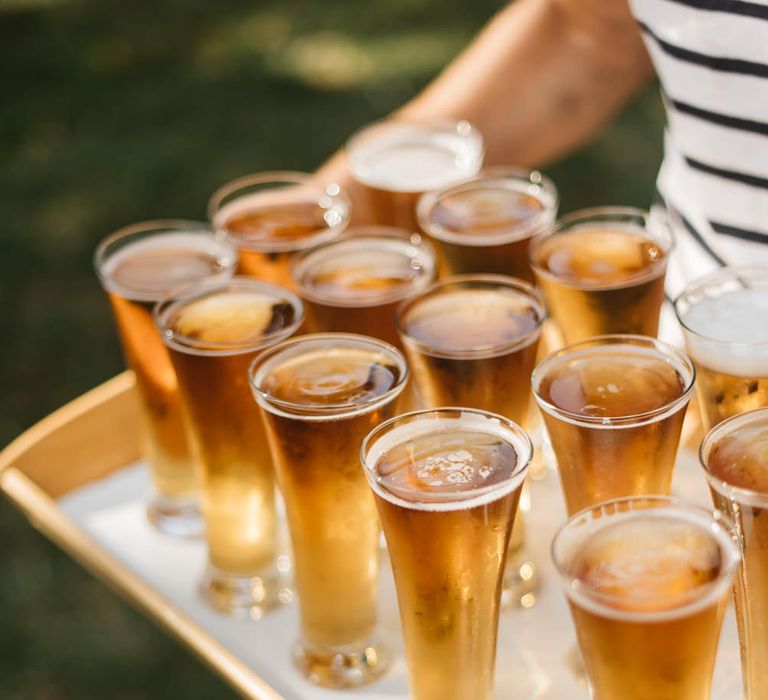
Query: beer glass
(486,224)
(213,332)
(137,266)
(471,341)
(724,316)
(602,271)
(447,484)
(734,455)
(320,395)
(395,162)
(270,216)
(647,581)
(613,407)
(355,284)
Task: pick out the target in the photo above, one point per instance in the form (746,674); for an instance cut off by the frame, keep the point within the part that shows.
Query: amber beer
(602,271)
(137,266)
(395,162)
(447,484)
(270,216)
(355,284)
(613,407)
(647,581)
(735,458)
(471,341)
(320,395)
(213,333)
(485,225)
(724,316)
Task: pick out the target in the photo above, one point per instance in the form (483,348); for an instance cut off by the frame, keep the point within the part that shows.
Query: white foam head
(412,157)
(729,333)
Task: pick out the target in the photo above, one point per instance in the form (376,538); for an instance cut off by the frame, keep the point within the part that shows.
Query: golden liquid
(480,212)
(597,463)
(598,282)
(469,320)
(724,395)
(331,513)
(741,459)
(277,224)
(652,564)
(157,270)
(448,564)
(227,433)
(358,290)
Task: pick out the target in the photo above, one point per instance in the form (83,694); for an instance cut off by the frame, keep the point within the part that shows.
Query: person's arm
(540,80)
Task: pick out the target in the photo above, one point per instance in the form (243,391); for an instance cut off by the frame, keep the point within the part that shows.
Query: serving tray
(79,478)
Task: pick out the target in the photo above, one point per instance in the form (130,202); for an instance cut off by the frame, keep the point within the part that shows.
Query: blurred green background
(114,112)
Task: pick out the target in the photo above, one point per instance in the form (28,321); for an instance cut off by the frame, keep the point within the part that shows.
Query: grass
(118,112)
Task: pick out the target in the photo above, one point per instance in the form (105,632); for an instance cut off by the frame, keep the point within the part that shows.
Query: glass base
(245,596)
(342,667)
(178,517)
(520,586)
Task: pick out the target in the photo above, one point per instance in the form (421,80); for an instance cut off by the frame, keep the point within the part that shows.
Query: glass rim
(652,225)
(144,229)
(718,523)
(221,197)
(700,284)
(739,494)
(666,351)
(440,125)
(413,239)
(485,178)
(299,411)
(194,346)
(485,279)
(462,499)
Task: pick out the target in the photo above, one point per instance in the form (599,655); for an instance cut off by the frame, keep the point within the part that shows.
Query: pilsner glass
(213,332)
(735,458)
(647,582)
(355,284)
(447,484)
(613,407)
(602,271)
(486,224)
(138,266)
(725,320)
(471,340)
(320,395)
(270,216)
(397,161)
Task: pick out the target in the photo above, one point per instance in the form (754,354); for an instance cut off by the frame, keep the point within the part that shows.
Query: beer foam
(364,270)
(730,332)
(406,159)
(151,268)
(647,565)
(455,478)
(581,386)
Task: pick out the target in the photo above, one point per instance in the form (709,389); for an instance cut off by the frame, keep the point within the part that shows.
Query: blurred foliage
(118,112)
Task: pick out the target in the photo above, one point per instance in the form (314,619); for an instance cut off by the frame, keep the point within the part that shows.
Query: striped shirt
(711,57)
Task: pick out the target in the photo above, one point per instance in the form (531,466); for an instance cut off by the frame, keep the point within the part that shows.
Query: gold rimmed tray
(79,478)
